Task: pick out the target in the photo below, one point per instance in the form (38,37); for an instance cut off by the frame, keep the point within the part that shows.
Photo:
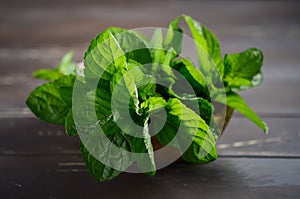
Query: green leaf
(192,129)
(146,84)
(153,104)
(206,111)
(165,52)
(70,124)
(237,102)
(174,36)
(161,59)
(67,66)
(207,42)
(165,76)
(49,103)
(144,149)
(243,70)
(101,171)
(169,56)
(101,101)
(111,49)
(47,74)
(104,57)
(109,149)
(133,45)
(195,78)
(97,169)
(157,50)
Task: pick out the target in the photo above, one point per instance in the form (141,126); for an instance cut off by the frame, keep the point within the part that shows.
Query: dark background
(37,160)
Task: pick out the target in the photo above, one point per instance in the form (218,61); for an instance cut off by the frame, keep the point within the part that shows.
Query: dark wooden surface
(37,160)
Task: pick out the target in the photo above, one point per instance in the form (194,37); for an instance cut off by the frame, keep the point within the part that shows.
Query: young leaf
(153,104)
(66,67)
(208,42)
(47,74)
(174,36)
(243,70)
(161,59)
(157,50)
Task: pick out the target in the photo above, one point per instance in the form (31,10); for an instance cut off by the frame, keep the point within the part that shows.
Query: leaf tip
(266,128)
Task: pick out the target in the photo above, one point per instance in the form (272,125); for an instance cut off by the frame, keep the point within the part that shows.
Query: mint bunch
(142,80)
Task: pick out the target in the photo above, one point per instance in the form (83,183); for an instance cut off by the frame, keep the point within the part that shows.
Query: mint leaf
(156,48)
(66,67)
(237,102)
(161,59)
(205,110)
(133,45)
(101,171)
(163,52)
(111,48)
(153,104)
(186,68)
(103,144)
(243,70)
(104,57)
(208,42)
(49,103)
(70,124)
(96,168)
(174,36)
(47,74)
(192,129)
(144,148)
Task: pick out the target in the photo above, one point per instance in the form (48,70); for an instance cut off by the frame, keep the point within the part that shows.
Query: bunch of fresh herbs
(115,52)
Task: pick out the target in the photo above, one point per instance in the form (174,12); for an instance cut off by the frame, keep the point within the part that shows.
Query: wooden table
(37,160)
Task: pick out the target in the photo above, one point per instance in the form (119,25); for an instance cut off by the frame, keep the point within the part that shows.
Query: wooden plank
(29,136)
(275,96)
(52,177)
(58,24)
(243,138)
